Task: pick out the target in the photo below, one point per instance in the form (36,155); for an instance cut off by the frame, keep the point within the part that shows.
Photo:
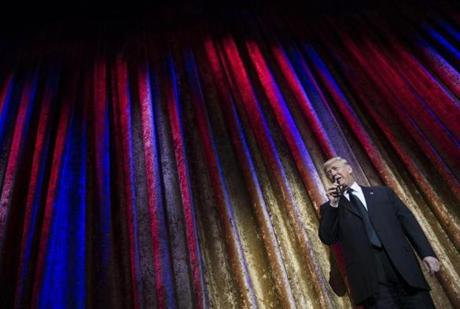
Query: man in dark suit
(376,231)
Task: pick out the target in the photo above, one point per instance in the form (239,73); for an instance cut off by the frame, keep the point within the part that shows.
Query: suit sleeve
(328,224)
(411,227)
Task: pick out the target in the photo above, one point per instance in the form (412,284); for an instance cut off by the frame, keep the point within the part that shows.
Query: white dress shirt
(358,192)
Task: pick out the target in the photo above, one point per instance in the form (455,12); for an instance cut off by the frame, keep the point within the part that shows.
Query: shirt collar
(355,187)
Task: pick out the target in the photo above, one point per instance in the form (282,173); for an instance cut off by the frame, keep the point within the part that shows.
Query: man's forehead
(335,164)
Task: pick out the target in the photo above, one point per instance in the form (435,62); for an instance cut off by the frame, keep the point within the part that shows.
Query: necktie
(371,234)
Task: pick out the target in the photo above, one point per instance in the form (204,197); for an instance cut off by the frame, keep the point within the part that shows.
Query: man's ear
(350,170)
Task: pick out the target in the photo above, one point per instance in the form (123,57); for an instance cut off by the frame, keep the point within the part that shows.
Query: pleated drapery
(183,167)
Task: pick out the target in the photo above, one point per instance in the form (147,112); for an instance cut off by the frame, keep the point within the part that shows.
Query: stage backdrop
(181,167)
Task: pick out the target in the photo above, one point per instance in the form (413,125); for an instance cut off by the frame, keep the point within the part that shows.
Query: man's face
(340,173)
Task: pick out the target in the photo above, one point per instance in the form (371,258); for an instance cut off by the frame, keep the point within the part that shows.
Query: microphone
(339,189)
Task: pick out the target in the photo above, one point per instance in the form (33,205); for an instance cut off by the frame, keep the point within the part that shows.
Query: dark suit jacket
(397,229)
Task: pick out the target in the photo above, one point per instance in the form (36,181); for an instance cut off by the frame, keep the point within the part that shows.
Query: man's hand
(333,197)
(431,264)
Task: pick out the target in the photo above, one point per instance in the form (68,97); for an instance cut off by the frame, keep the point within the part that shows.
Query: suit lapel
(347,205)
(370,198)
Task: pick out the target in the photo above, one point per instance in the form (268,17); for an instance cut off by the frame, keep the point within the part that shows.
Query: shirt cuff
(334,205)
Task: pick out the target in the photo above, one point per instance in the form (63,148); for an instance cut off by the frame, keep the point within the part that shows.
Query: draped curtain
(182,167)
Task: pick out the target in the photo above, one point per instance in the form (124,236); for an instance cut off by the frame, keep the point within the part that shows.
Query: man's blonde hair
(333,160)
